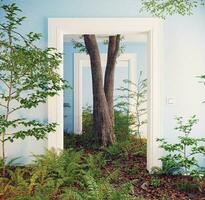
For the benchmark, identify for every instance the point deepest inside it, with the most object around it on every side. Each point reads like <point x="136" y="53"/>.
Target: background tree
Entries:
<point x="133" y="95"/>
<point x="103" y="111"/>
<point x="164" y="8"/>
<point x="27" y="77"/>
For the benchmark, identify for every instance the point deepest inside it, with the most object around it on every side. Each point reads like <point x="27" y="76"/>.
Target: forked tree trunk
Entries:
<point x="102" y="122"/>
<point x="113" y="51"/>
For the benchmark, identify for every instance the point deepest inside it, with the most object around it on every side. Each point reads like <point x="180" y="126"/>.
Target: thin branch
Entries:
<point x="14" y="109"/>
<point x="3" y="105"/>
<point x="4" y="82"/>
<point x="22" y="37"/>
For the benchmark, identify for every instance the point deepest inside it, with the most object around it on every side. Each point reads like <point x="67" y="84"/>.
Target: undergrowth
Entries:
<point x="71" y="174"/>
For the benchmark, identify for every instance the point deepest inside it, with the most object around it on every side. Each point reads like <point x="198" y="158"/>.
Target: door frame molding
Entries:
<point x="82" y="60"/>
<point x="58" y="27"/>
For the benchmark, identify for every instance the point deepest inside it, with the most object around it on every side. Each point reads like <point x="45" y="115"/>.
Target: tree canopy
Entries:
<point x="163" y="8"/>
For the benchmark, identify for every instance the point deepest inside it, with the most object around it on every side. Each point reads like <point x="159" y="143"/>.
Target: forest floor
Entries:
<point x="131" y="162"/>
<point x="87" y="172"/>
<point x="155" y="187"/>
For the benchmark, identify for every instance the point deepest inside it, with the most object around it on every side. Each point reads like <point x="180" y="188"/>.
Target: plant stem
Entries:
<point x="7" y="111"/>
<point x="4" y="132"/>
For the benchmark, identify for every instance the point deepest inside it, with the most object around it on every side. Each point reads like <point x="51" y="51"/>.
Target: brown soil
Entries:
<point x="133" y="168"/>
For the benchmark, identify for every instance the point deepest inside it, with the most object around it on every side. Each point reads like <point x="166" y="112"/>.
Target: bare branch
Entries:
<point x="3" y="105"/>
<point x="14" y="109"/>
<point x="7" y="85"/>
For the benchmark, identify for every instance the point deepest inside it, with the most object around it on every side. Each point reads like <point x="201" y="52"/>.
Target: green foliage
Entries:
<point x="72" y="193"/>
<point x="121" y="47"/>
<point x="94" y="164"/>
<point x="87" y="120"/>
<point x="156" y="171"/>
<point x="163" y="8"/>
<point x="133" y="146"/>
<point x="132" y="171"/>
<point x="27" y="77"/>
<point x="65" y="167"/>
<point x="67" y="175"/>
<point x="85" y="140"/>
<point x="102" y="189"/>
<point x="80" y="46"/>
<point x="181" y="156"/>
<point x="202" y="78"/>
<point x="187" y="186"/>
<point x="126" y="123"/>
<point x="165" y="197"/>
<point x="123" y="122"/>
<point x="155" y="182"/>
<point x="114" y="151"/>
<point x="43" y="179"/>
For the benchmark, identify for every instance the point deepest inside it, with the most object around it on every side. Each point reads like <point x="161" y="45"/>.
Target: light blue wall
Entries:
<point x="38" y="11"/>
<point x="184" y="53"/>
<point x="139" y="49"/>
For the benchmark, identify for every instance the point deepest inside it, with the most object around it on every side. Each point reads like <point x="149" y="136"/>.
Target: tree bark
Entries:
<point x="113" y="51"/>
<point x="102" y="122"/>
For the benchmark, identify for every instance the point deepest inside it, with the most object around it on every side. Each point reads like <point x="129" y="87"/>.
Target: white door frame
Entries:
<point x="82" y="60"/>
<point x="58" y="27"/>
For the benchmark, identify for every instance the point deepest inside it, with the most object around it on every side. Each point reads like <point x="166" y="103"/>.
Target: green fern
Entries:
<point x="71" y="174"/>
<point x="94" y="163"/>
<point x="59" y="170"/>
<point x="71" y="194"/>
<point x="102" y="189"/>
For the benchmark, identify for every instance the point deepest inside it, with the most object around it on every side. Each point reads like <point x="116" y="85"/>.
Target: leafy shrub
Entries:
<point x="59" y="170"/>
<point x="123" y="122"/>
<point x="87" y="120"/>
<point x="114" y="151"/>
<point x="85" y="140"/>
<point x="28" y="77"/>
<point x="126" y="122"/>
<point x="187" y="186"/>
<point x="133" y="145"/>
<point x="94" y="164"/>
<point x="155" y="182"/>
<point x="132" y="171"/>
<point x="45" y="177"/>
<point x="180" y="156"/>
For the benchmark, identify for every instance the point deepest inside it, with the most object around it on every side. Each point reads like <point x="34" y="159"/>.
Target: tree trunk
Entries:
<point x="102" y="123"/>
<point x="113" y="51"/>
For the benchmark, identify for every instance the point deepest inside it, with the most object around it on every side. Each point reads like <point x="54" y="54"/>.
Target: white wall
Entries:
<point x="184" y="61"/>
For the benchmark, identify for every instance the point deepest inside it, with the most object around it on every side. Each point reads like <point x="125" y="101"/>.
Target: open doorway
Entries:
<point x="130" y="75"/>
<point x="59" y="29"/>
<point x="129" y="98"/>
